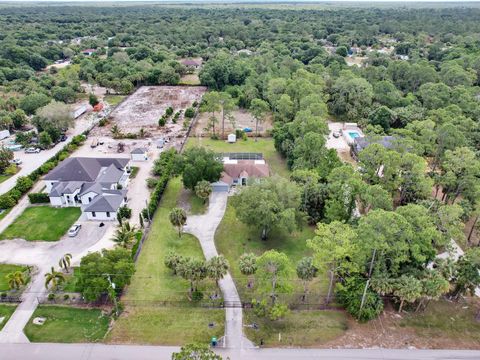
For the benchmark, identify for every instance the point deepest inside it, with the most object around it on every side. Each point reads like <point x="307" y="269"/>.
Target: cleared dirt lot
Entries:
<point x="145" y="106"/>
<point x="242" y="120"/>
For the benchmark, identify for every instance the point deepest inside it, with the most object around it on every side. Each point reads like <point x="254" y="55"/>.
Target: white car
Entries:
<point x="16" y="161"/>
<point x="74" y="230"/>
<point x="32" y="150"/>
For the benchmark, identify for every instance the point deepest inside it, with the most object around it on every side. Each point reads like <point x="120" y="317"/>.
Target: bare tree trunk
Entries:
<point x="401" y="306"/>
<point x="471" y="230"/>
<point x="330" y="287"/>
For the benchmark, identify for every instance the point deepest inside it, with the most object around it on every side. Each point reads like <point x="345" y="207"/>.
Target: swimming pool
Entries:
<point x="353" y="134"/>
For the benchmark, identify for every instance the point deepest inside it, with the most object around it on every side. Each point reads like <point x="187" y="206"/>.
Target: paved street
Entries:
<point x="203" y="227"/>
<point x="129" y="352"/>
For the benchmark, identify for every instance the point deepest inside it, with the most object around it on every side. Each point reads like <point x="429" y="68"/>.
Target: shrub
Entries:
<point x="151" y="183"/>
<point x="51" y="297"/>
<point x="162" y="121"/>
<point x="125" y="212"/>
<point x="169" y="111"/>
<point x="195" y="104"/>
<point x="190" y="113"/>
<point x="11" y="169"/>
<point x="45" y="168"/>
<point x="63" y="155"/>
<point x="23" y="184"/>
<point x="38" y="198"/>
<point x="66" y="297"/>
<point x="72" y="147"/>
<point x="197" y="295"/>
<point x="134" y="172"/>
<point x="103" y="122"/>
<point x="7" y="201"/>
<point x="15" y="194"/>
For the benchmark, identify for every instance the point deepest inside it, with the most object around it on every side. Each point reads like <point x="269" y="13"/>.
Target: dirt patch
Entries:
<point x="242" y="119"/>
<point x="145" y="106"/>
<point x="190" y="79"/>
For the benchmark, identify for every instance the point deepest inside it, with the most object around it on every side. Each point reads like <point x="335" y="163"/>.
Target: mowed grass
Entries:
<point x="298" y="328"/>
<point x="113" y="100"/>
<point x="158" y="310"/>
<point x="67" y="325"/>
<point x="446" y="319"/>
<point x="197" y="205"/>
<point x="234" y="238"/>
<point x="6" y="269"/>
<point x="42" y="223"/>
<point x="263" y="145"/>
<point x="6" y="311"/>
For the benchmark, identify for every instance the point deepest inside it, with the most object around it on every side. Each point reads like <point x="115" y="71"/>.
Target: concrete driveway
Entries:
<point x="339" y="144"/>
<point x="204" y="227"/>
<point x="43" y="255"/>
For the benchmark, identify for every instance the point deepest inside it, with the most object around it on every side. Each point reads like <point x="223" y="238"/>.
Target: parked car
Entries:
<point x="74" y="230"/>
<point x="63" y="137"/>
<point x="32" y="150"/>
<point x="336" y="134"/>
<point x="16" y="161"/>
<point x="247" y="130"/>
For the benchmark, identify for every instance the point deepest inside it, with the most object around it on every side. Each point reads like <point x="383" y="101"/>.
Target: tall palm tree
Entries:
<point x="178" y="218"/>
<point x="64" y="262"/>
<point x="54" y="278"/>
<point x="125" y="234"/>
<point x="217" y="268"/>
<point x="248" y="266"/>
<point x="15" y="279"/>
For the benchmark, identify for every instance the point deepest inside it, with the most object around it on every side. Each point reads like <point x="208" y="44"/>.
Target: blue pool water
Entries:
<point x="353" y="134"/>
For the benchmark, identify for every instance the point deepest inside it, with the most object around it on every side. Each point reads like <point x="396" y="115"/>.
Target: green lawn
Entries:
<point x="197" y="205"/>
<point x="144" y="321"/>
<point x="4" y="177"/>
<point x="263" y="145"/>
<point x="6" y="269"/>
<point x="4" y="213"/>
<point x="42" y="223"/>
<point x="71" y="279"/>
<point x="134" y="172"/>
<point x="298" y="328"/>
<point x="6" y="311"/>
<point x="446" y="319"/>
<point x="67" y="325"/>
<point x="113" y="100"/>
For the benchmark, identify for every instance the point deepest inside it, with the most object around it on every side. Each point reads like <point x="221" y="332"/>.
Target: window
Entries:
<point x="89" y="199"/>
<point x="108" y="214"/>
<point x="93" y="214"/>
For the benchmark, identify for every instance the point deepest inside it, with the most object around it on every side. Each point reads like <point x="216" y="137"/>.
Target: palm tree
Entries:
<point x="248" y="266"/>
<point x="15" y="279"/>
<point x="217" y="268"/>
<point x="178" y="218"/>
<point x="64" y="262"/>
<point x="125" y="234"/>
<point x="54" y="278"/>
<point x="203" y="189"/>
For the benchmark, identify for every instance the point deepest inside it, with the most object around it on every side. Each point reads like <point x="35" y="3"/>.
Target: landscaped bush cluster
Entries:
<point x="25" y="183"/>
<point x="38" y="198"/>
<point x="164" y="167"/>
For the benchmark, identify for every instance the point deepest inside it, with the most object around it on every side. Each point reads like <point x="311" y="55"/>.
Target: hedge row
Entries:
<point x="25" y="183"/>
<point x="166" y="163"/>
<point x="38" y="198"/>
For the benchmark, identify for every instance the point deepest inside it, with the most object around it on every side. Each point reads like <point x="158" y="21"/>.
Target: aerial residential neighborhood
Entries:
<point x="239" y="180"/>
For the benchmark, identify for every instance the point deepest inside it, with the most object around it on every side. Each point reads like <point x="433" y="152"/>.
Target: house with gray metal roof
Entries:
<point x="97" y="185"/>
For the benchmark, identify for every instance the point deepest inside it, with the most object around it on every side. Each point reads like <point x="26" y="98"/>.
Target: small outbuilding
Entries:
<point x="232" y="138"/>
<point x="139" y="154"/>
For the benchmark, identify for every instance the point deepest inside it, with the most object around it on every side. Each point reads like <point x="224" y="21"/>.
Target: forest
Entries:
<point x="418" y="84"/>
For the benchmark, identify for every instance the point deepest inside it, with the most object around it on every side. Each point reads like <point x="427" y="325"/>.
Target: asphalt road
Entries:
<point x="120" y="352"/>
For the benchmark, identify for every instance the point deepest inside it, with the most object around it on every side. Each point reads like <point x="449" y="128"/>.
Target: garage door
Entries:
<point x="220" y="187"/>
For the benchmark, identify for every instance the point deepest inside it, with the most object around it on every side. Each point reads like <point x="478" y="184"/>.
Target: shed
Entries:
<point x="4" y="134"/>
<point x="139" y="154"/>
<point x="232" y="138"/>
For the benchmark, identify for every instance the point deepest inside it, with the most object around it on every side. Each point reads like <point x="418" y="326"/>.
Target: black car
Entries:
<point x="63" y="137"/>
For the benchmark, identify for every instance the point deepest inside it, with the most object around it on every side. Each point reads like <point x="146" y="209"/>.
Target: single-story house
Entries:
<point x="191" y="63"/>
<point x="97" y="185"/>
<point x="360" y="143"/>
<point x="139" y="154"/>
<point x="88" y="52"/>
<point x="238" y="168"/>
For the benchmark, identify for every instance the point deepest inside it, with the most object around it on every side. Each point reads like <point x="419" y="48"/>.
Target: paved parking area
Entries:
<point x="336" y="143"/>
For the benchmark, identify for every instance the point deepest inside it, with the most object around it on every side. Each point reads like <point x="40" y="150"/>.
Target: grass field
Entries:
<point x="71" y="279"/>
<point x="42" y="223"/>
<point x="263" y="145"/>
<point x="446" y="319"/>
<point x="113" y="100"/>
<point x="153" y="284"/>
<point x="197" y="205"/>
<point x="67" y="325"/>
<point x="6" y="269"/>
<point x="298" y="328"/>
<point x="6" y="311"/>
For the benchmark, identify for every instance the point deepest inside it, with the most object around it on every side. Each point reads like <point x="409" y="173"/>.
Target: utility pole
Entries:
<point x="368" y="281"/>
<point x="112" y="294"/>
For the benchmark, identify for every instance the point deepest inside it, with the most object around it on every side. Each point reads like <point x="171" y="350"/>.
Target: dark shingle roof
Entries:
<point x="139" y="151"/>
<point x="83" y="169"/>
<point x="105" y="203"/>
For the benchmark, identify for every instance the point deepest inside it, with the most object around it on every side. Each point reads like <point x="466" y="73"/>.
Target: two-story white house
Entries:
<point x="95" y="184"/>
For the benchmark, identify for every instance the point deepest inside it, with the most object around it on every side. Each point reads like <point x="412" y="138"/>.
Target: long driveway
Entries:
<point x="204" y="227"/>
<point x="43" y="255"/>
<point x="128" y="352"/>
